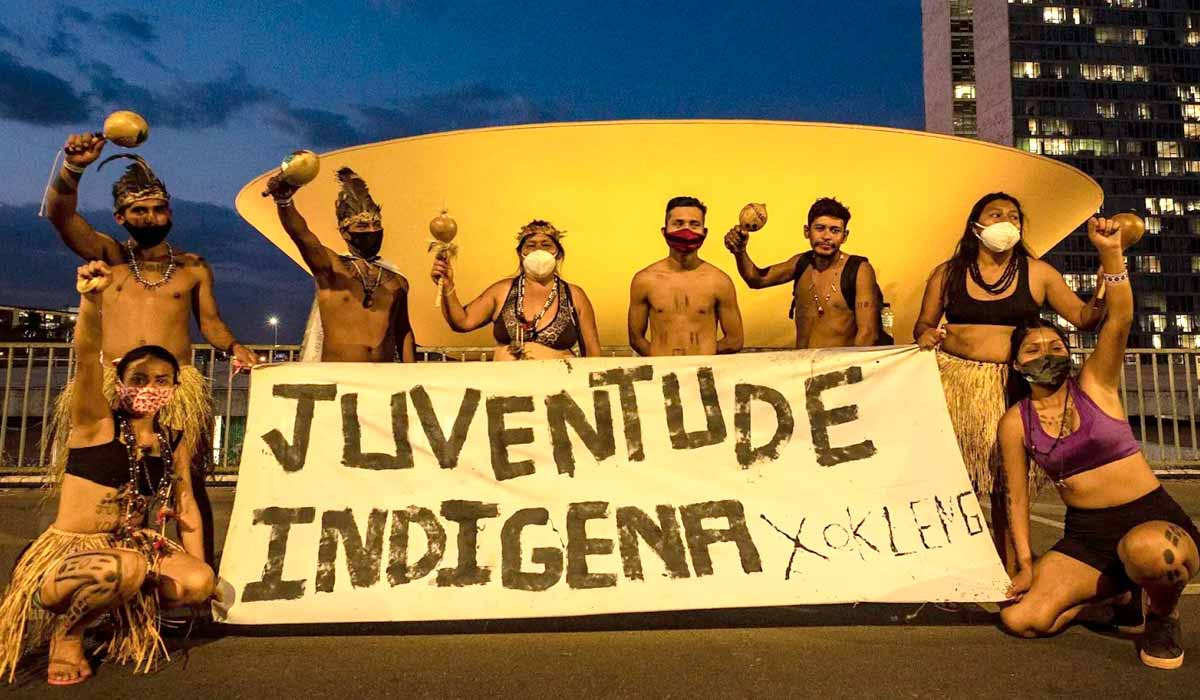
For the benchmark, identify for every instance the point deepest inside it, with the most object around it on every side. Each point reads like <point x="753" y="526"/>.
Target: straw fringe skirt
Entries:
<point x="975" y="397"/>
<point x="190" y="412"/>
<point x="25" y="626"/>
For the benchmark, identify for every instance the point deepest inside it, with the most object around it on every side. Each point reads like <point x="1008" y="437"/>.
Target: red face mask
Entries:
<point x="684" y="240"/>
<point x="144" y="400"/>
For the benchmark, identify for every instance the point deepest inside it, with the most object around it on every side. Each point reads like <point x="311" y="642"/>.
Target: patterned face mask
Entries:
<point x="1047" y="370"/>
<point x="144" y="400"/>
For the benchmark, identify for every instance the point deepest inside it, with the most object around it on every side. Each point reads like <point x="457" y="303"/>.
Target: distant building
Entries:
<point x="20" y="324"/>
<point x="1111" y="87"/>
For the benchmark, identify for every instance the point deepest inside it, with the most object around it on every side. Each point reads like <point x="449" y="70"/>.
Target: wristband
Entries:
<point x="287" y="202"/>
<point x="1123" y="276"/>
<point x="73" y="168"/>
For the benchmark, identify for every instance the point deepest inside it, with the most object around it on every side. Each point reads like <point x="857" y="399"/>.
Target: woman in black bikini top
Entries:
<point x="536" y="315"/>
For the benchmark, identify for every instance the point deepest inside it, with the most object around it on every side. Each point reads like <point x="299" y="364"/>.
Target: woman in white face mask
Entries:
<point x="535" y="315"/>
<point x="990" y="286"/>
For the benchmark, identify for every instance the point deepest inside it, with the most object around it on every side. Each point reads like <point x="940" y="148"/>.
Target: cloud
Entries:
<point x="129" y="26"/>
<point x="35" y="96"/>
<point x="314" y="127"/>
<point x="183" y="105"/>
<point x="473" y="106"/>
<point x="469" y="107"/>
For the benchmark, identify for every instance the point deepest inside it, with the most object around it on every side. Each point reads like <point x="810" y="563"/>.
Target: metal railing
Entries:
<point x="1159" y="390"/>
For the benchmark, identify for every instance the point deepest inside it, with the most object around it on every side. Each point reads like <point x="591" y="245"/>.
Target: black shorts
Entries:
<point x="1092" y="534"/>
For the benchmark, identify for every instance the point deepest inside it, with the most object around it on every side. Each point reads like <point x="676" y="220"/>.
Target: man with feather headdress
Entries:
<point x="362" y="301"/>
<point x="156" y="290"/>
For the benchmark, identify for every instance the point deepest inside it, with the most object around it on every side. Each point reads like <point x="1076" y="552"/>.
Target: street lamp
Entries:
<point x="273" y="322"/>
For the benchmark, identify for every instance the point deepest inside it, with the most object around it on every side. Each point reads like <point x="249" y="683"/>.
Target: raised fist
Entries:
<point x="278" y="189"/>
<point x="736" y="240"/>
<point x="1102" y="233"/>
<point x="82" y="150"/>
<point x="92" y="277"/>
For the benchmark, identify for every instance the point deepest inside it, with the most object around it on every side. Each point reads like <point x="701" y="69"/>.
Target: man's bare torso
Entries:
<point x="135" y="315"/>
<point x="683" y="308"/>
<point x="834" y="328"/>
<point x="354" y="333"/>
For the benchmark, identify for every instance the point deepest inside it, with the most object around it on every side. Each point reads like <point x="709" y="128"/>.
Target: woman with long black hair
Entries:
<point x="991" y="285"/>
<point x="1124" y="533"/>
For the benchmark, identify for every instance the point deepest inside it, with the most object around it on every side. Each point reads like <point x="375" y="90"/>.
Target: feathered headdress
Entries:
<point x="138" y="182"/>
<point x="354" y="203"/>
<point x="540" y="226"/>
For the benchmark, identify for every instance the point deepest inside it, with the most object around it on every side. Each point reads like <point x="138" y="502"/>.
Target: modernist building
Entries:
<point x="25" y="325"/>
<point x="1111" y="87"/>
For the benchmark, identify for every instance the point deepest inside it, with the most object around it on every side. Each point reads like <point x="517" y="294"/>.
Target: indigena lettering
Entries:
<point x="573" y="424"/>
<point x="681" y="538"/>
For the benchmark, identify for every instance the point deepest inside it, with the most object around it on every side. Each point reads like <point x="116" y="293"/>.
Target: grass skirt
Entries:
<point x="975" y="397"/>
<point x="25" y="626"/>
<point x="190" y="411"/>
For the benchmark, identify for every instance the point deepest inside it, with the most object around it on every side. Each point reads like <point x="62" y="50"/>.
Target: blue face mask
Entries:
<point x="1047" y="370"/>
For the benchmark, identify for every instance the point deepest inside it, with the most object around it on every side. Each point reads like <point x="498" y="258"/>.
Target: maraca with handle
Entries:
<point x="752" y="218"/>
<point x="443" y="228"/>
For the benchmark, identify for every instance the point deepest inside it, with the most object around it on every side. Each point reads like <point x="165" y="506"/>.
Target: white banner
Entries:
<point x="531" y="489"/>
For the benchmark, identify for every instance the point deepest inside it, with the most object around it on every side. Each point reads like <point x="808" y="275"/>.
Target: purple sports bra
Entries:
<point x="1100" y="439"/>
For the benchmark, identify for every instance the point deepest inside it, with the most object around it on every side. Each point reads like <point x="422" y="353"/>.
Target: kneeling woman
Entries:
<point x="127" y="476"/>
<point x="536" y="315"/>
<point x="1124" y="533"/>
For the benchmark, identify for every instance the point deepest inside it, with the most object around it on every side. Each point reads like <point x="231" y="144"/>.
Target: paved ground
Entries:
<point x="827" y="651"/>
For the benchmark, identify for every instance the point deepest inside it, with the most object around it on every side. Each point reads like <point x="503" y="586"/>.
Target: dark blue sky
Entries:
<point x="230" y="87"/>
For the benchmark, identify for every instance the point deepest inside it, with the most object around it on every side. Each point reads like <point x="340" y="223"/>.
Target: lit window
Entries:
<point x="1031" y="145"/>
<point x="1153" y="224"/>
<point x="1188" y="93"/>
<point x="1195" y="268"/>
<point x="1113" y="72"/>
<point x="1054" y="15"/>
<point x="1191" y="113"/>
<point x="1120" y="35"/>
<point x="1156" y="341"/>
<point x="1155" y="323"/>
<point x="1056" y="147"/>
<point x="1168" y="167"/>
<point x="1133" y="148"/>
<point x="1163" y="205"/>
<point x="1148" y="263"/>
<point x="1026" y="69"/>
<point x="1108" y="110"/>
<point x="1194" y="226"/>
<point x="1183" y="321"/>
<point x="1191" y="131"/>
<point x="1082" y="16"/>
<point x="1128" y="4"/>
<point x="1193" y="39"/>
<point x="1192" y="167"/>
<point x="1168" y="149"/>
<point x="1191" y="342"/>
<point x="964" y="91"/>
<point x="1143" y="110"/>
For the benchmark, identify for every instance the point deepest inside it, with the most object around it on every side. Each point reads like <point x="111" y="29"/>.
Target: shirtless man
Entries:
<point x="155" y="292"/>
<point x="363" y="303"/>
<point x="824" y="319"/>
<point x="681" y="298"/>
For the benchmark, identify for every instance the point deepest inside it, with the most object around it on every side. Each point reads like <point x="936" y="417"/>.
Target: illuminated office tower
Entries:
<point x="1111" y="87"/>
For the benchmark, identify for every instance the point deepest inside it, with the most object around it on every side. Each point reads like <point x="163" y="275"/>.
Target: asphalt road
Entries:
<point x="804" y="651"/>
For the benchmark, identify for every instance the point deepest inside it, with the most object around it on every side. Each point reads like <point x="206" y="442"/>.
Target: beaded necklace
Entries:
<point x="137" y="270"/>
<point x="368" y="289"/>
<point x="530" y="327"/>
<point x="833" y="287"/>
<point x="133" y="503"/>
<point x="1001" y="284"/>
